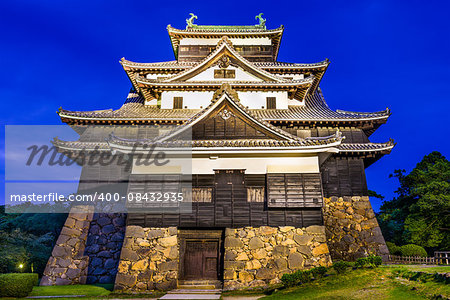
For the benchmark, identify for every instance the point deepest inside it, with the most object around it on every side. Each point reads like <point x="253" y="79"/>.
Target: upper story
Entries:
<point x="208" y="56"/>
<point x="254" y="42"/>
<point x="244" y="59"/>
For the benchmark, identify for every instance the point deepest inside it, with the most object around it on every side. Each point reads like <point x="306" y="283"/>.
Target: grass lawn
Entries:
<point x="100" y="291"/>
<point x="363" y="284"/>
<point x="87" y="290"/>
<point x="427" y="268"/>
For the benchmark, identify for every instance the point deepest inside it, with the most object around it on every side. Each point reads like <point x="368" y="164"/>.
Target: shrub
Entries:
<point x="296" y="278"/>
<point x="341" y="266"/>
<point x="371" y="261"/>
<point x="288" y="280"/>
<point x="318" y="272"/>
<point x="361" y="262"/>
<point x="375" y="260"/>
<point x="413" y="250"/>
<point x="393" y="248"/>
<point x="300" y="277"/>
<point x="17" y="284"/>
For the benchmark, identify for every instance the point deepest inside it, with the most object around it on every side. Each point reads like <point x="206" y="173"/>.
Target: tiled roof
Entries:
<point x="241" y="143"/>
<point x="366" y="147"/>
<point x="156" y="82"/>
<point x="222" y="29"/>
<point x="315" y="109"/>
<point x="173" y="64"/>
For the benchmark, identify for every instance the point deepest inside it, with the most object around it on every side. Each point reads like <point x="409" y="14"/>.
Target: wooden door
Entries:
<point x="201" y="260"/>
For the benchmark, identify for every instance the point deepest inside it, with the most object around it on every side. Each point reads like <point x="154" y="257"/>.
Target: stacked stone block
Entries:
<point x="149" y="260"/>
<point x="258" y="257"/>
<point x="352" y="229"/>
<point x="68" y="264"/>
<point x="104" y="243"/>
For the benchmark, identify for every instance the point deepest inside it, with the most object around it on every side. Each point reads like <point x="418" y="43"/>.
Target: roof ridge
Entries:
<point x="225" y="29"/>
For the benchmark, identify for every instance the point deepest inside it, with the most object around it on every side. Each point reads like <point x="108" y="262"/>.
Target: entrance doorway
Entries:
<point x="201" y="260"/>
<point x="201" y="254"/>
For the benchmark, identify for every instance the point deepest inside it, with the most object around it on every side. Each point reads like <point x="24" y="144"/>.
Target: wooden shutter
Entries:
<point x="294" y="190"/>
<point x="271" y="103"/>
<point x="177" y="102"/>
<point x="276" y="190"/>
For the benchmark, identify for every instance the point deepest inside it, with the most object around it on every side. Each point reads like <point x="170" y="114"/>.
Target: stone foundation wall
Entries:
<point x="103" y="246"/>
<point x="256" y="257"/>
<point x="148" y="260"/>
<point x="68" y="264"/>
<point x="352" y="229"/>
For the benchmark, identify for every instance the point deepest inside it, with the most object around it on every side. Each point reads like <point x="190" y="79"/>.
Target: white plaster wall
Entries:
<point x="295" y="76"/>
<point x="250" y="99"/>
<point x="208" y="75"/>
<point x="155" y="76"/>
<point x="234" y="41"/>
<point x="257" y="100"/>
<point x="252" y="165"/>
<point x="193" y="100"/>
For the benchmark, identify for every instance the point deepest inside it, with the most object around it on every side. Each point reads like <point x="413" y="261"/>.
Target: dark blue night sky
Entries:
<point x="383" y="54"/>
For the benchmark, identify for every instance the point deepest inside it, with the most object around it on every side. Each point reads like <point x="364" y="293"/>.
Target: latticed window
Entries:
<point x="221" y="73"/>
<point x="271" y="103"/>
<point x="177" y="102"/>
<point x="198" y="194"/>
<point x="255" y="194"/>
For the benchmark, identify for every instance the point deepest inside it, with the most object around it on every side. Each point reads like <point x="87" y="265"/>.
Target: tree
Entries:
<point x="420" y="214"/>
<point x="28" y="238"/>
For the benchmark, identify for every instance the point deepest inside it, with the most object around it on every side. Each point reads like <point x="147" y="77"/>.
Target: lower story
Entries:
<point x="163" y="258"/>
<point x="138" y="256"/>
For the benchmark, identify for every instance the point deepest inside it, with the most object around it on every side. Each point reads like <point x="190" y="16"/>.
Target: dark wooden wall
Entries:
<point x="220" y="128"/>
<point x="352" y="135"/>
<point x="230" y="208"/>
<point x="344" y="176"/>
<point x="341" y="175"/>
<point x="251" y="53"/>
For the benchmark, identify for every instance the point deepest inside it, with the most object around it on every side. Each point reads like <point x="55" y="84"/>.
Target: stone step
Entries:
<point x="199" y="284"/>
<point x="195" y="291"/>
<point x="197" y="287"/>
<point x="190" y="296"/>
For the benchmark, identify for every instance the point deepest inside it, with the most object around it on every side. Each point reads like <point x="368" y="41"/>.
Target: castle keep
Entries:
<point x="278" y="180"/>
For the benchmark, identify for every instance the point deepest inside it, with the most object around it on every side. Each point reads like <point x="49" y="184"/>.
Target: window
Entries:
<point x="222" y="73"/>
<point x="294" y="190"/>
<point x="271" y="103"/>
<point x="255" y="194"/>
<point x="198" y="194"/>
<point x="177" y="102"/>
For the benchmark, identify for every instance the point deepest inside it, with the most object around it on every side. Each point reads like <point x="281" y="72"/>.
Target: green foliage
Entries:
<point x="17" y="284"/>
<point x="301" y="277"/>
<point x="420" y="212"/>
<point x="28" y="239"/>
<point x="341" y="266"/>
<point x="318" y="272"/>
<point x="371" y="261"/>
<point x="374" y="194"/>
<point x="413" y="250"/>
<point x="393" y="248"/>
<point x="422" y="276"/>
